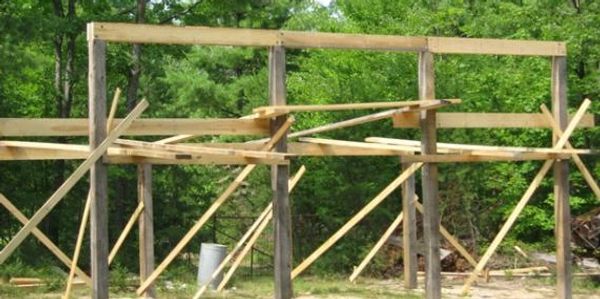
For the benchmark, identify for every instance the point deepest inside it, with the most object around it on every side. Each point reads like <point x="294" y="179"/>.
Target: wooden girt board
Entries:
<point x="271" y="111"/>
<point x="197" y="35"/>
<point x="484" y="120"/>
<point x="467" y="148"/>
<point x="140" y="127"/>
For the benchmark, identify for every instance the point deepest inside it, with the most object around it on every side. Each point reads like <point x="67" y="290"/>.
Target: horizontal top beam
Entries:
<point x="197" y="35"/>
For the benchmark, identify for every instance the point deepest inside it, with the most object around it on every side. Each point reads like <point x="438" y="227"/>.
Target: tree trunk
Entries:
<point x="135" y="71"/>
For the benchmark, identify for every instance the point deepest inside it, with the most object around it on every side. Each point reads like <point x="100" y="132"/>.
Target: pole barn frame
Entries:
<point x="275" y="120"/>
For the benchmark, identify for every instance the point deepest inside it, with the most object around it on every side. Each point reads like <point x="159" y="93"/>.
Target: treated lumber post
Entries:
<point x="409" y="231"/>
<point x="280" y="174"/>
<point x="562" y="212"/>
<point x="429" y="181"/>
<point x="146" y="226"/>
<point x="98" y="172"/>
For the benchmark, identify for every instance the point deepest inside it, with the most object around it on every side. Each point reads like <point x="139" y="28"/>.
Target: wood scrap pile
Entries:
<point x="586" y="230"/>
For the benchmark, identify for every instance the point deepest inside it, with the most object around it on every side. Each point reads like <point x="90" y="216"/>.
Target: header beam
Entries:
<point x="198" y="35"/>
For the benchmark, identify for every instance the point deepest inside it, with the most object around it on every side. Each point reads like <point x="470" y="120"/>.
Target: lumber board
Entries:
<point x="587" y="175"/>
<point x="522" y="202"/>
<point x="125" y="232"/>
<point x="210" y="211"/>
<point x="282" y="219"/>
<point x="386" y="235"/>
<point x="434" y="104"/>
<point x="25" y="127"/>
<point x="270" y="111"/>
<point x="199" y="160"/>
<point x="44" y="239"/>
<point x="429" y="179"/>
<point x="80" y="235"/>
<point x="447" y="120"/>
<point x="454" y="45"/>
<point x="398" y="150"/>
<point x="562" y="210"/>
<point x="467" y="158"/>
<point x="81" y="170"/>
<point x="355" y="219"/>
<point x="146" y="226"/>
<point x="196" y="35"/>
<point x="409" y="231"/>
<point x="475" y="148"/>
<point x="199" y="150"/>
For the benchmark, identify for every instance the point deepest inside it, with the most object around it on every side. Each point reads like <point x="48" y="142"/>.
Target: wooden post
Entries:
<point x="562" y="211"/>
<point x="282" y="221"/>
<point x="429" y="181"/>
<point x="146" y="226"/>
<point x="409" y="231"/>
<point x="98" y="173"/>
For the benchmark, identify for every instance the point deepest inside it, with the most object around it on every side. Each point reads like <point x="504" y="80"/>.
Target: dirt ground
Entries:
<point x="338" y="288"/>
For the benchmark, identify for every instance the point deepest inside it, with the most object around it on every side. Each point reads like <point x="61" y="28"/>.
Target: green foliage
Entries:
<point x="190" y="81"/>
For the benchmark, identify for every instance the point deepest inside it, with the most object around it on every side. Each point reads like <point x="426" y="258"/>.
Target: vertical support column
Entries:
<point x="409" y="231"/>
<point x="562" y="210"/>
<point x="146" y="227"/>
<point x="429" y="181"/>
<point x="282" y="221"/>
<point x="98" y="173"/>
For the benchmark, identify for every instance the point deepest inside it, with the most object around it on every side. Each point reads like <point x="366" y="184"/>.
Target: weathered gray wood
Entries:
<point x="279" y="181"/>
<point x="98" y="173"/>
<point x="429" y="181"/>
<point x="146" y="227"/>
<point x="561" y="183"/>
<point x="409" y="231"/>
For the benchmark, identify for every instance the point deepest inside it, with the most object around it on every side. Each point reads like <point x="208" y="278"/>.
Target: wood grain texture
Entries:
<point x="484" y="120"/>
<point x="146" y="226"/>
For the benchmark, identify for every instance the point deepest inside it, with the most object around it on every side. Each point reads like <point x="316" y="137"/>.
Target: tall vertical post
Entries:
<point x="562" y="210"/>
<point x="409" y="231"/>
<point x="429" y="180"/>
<point x="146" y="226"/>
<point x="98" y="174"/>
<point x="282" y="221"/>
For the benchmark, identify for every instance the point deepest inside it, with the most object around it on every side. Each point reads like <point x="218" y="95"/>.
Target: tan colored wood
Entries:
<point x="479" y="149"/>
<point x="572" y="124"/>
<point x="113" y="109"/>
<point x="372" y="117"/>
<point x="199" y="150"/>
<point x="355" y="219"/>
<point x="587" y="175"/>
<point x="454" y="45"/>
<point x="271" y="111"/>
<point x="199" y="160"/>
<point x="141" y="127"/>
<point x="254" y="237"/>
<point x="94" y="156"/>
<point x="398" y="150"/>
<point x="465" y="158"/>
<point x="453" y="241"/>
<point x="211" y="210"/>
<point x="162" y="34"/>
<point x="80" y="235"/>
<point x="44" y="239"/>
<point x="146" y="226"/>
<point x="132" y="220"/>
<point x="386" y="235"/>
<point x="484" y="120"/>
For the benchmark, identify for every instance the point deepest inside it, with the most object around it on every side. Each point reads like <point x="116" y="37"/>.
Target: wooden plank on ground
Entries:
<point x="44" y="239"/>
<point x="355" y="219"/>
<point x="484" y="120"/>
<point x="24" y="127"/>
<point x="94" y="156"/>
